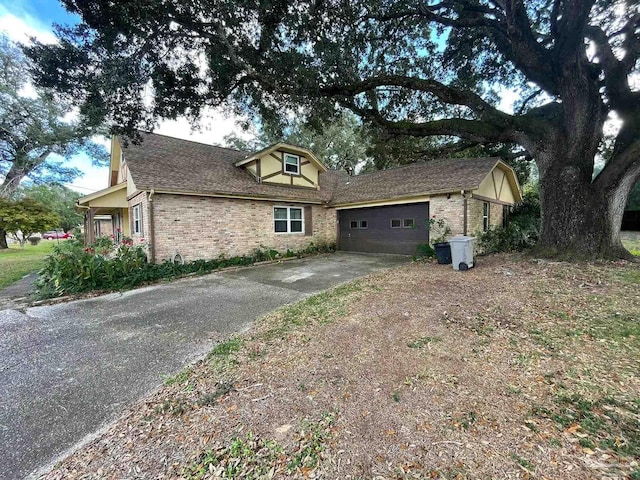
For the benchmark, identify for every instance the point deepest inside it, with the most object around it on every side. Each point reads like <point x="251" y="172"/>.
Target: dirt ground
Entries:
<point x="517" y="368"/>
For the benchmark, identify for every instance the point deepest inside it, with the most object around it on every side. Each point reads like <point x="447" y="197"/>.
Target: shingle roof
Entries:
<point x="169" y="164"/>
<point x="434" y="176"/>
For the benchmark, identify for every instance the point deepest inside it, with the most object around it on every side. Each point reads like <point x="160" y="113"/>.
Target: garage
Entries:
<point x="388" y="229"/>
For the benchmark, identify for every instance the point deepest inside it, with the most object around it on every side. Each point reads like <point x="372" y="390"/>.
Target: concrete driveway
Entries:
<point x="68" y="369"/>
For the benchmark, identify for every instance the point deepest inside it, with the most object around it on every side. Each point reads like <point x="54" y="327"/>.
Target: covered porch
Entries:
<point x="106" y="213"/>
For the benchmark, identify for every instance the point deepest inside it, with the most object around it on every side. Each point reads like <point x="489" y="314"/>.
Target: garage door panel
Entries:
<point x="379" y="236"/>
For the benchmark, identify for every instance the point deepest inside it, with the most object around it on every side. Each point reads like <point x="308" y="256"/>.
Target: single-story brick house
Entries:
<point x="201" y="201"/>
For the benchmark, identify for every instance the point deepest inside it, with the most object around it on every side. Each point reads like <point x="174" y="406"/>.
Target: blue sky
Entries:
<point x="20" y="19"/>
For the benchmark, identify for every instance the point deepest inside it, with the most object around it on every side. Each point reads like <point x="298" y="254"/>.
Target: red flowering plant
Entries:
<point x="439" y="230"/>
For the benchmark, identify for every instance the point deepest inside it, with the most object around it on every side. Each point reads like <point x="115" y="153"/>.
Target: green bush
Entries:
<point x="34" y="240"/>
<point x="521" y="232"/>
<point x="424" y="250"/>
<point x="73" y="268"/>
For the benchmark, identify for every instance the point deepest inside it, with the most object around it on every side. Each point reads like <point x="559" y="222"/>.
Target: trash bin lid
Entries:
<point x="461" y="238"/>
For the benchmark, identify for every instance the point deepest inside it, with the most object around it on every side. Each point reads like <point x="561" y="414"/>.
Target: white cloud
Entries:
<point x="213" y="127"/>
<point x="92" y="179"/>
<point x="19" y="26"/>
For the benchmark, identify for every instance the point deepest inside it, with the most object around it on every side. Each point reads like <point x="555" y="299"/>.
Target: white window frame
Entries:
<point x="296" y="158"/>
<point x="288" y="220"/>
<point x="486" y="216"/>
<point x="404" y="223"/>
<point x="399" y="220"/>
<point x="137" y="220"/>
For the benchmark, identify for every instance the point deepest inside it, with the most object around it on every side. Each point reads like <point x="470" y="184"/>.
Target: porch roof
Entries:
<point x="112" y="197"/>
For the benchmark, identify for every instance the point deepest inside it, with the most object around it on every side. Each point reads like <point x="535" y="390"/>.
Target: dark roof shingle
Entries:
<point x="435" y="176"/>
<point x="171" y="164"/>
<point x="182" y="166"/>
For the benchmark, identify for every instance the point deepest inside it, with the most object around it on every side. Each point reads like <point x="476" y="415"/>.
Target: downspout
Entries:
<point x="464" y="212"/>
<point x="152" y="250"/>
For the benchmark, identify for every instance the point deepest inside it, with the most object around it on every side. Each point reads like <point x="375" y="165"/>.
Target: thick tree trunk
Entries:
<point x="580" y="221"/>
<point x="3" y="239"/>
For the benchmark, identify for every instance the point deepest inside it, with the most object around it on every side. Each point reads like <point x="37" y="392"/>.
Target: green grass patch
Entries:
<point x="16" y="262"/>
<point x="609" y="423"/>
<point x="321" y="308"/>
<point x="630" y="276"/>
<point x="523" y="462"/>
<point x="253" y="457"/>
<point x="631" y="241"/>
<point x="223" y="359"/>
<point x="224" y="349"/>
<point x="179" y="379"/>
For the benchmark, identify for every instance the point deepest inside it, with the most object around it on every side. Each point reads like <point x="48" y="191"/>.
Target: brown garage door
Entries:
<point x="392" y="229"/>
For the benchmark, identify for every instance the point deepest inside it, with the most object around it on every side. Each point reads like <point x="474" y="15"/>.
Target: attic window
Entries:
<point x="291" y="164"/>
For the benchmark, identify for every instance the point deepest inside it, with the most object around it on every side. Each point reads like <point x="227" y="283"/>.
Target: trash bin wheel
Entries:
<point x="463" y="267"/>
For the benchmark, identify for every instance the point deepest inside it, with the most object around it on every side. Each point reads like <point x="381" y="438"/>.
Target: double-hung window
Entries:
<point x="288" y="219"/>
<point x="291" y="164"/>
<point x="137" y="219"/>
<point x="486" y="211"/>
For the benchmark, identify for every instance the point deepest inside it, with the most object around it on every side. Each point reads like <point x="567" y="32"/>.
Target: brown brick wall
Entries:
<point x="496" y="214"/>
<point x="205" y="227"/>
<point x="475" y="215"/>
<point x="140" y="198"/>
<point x="451" y="209"/>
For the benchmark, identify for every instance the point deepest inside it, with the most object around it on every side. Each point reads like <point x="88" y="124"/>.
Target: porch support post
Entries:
<point x="89" y="227"/>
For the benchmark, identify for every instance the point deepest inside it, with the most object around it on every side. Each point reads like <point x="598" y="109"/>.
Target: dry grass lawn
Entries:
<point x="515" y="369"/>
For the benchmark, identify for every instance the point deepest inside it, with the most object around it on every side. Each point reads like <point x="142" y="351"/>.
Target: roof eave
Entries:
<point x="101" y="193"/>
<point x="456" y="190"/>
<point x="239" y="196"/>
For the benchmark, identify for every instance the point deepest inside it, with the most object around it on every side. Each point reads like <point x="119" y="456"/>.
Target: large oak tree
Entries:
<point x="416" y="68"/>
<point x="36" y="137"/>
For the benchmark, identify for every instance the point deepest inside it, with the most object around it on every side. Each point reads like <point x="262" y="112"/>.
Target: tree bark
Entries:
<point x="3" y="239"/>
<point x="579" y="220"/>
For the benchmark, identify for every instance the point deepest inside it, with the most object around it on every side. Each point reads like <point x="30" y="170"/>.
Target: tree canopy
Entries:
<point x="22" y="218"/>
<point x="34" y="126"/>
<point x="414" y="69"/>
<point x="59" y="199"/>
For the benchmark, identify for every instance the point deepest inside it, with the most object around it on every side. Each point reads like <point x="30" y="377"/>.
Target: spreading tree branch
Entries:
<point x="445" y="93"/>
<point x="471" y="130"/>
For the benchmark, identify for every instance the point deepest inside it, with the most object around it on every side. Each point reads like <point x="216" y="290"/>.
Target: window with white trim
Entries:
<point x="137" y="219"/>
<point x="288" y="220"/>
<point x="396" y="223"/>
<point x="291" y="164"/>
<point x="486" y="211"/>
<point x="408" y="223"/>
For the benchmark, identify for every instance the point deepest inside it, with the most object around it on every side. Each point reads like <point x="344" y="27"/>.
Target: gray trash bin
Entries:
<point x="462" y="252"/>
